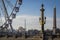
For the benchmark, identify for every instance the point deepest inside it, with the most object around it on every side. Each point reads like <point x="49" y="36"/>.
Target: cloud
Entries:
<point x="49" y="23"/>
<point x="32" y="22"/>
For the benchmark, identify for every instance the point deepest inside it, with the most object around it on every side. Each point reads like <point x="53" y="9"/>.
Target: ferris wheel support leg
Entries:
<point x="11" y="27"/>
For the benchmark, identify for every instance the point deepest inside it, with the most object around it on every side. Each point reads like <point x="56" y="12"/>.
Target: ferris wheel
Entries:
<point x="8" y="11"/>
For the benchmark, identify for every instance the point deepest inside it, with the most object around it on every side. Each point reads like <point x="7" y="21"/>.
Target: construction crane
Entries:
<point x="8" y="19"/>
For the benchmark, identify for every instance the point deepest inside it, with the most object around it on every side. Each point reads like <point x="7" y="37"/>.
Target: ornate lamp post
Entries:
<point x="42" y="21"/>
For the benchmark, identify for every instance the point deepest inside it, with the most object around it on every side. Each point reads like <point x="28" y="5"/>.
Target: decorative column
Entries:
<point x="42" y="20"/>
<point x="54" y="21"/>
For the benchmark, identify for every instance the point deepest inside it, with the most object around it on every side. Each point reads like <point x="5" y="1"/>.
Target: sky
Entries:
<point x="30" y="11"/>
